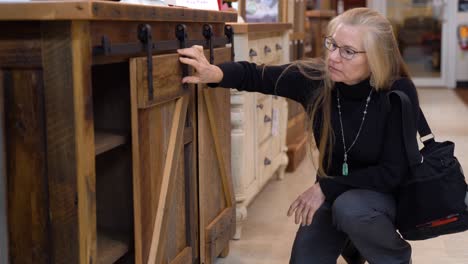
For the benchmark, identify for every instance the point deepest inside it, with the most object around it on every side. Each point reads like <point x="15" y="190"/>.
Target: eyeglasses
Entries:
<point x="345" y="51"/>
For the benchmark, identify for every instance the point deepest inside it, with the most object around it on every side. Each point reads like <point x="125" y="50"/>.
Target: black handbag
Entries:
<point x="431" y="199"/>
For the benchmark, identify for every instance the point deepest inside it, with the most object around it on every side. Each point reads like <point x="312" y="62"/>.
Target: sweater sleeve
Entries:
<point x="393" y="165"/>
<point x="284" y="80"/>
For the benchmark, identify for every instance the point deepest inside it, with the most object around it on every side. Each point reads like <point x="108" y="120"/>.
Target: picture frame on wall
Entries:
<point x="261" y="10"/>
<point x="462" y="5"/>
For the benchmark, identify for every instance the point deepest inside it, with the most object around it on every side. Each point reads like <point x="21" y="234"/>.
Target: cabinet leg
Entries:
<point x="283" y="165"/>
<point x="280" y="174"/>
<point x="225" y="252"/>
<point x="241" y="215"/>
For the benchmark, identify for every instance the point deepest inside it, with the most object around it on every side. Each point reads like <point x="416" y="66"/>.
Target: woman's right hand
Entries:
<point x="204" y="72"/>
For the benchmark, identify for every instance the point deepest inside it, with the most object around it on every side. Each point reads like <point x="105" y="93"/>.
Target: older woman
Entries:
<point x="362" y="157"/>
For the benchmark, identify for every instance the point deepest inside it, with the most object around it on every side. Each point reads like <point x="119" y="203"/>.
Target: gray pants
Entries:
<point x="366" y="217"/>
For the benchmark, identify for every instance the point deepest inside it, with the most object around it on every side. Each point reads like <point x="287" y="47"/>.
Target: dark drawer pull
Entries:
<point x="252" y="53"/>
<point x="267" y="49"/>
<point x="260" y="106"/>
<point x="266" y="119"/>
<point x="278" y="47"/>
<point x="267" y="161"/>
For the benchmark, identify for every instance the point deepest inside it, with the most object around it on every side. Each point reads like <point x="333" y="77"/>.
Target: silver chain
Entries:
<point x="360" y="127"/>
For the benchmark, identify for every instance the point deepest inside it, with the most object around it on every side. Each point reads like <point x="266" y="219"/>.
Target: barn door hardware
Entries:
<point x="181" y="35"/>
<point x="145" y="37"/>
<point x="208" y="34"/>
<point x="211" y="41"/>
<point x="107" y="48"/>
<point x="229" y="32"/>
<point x="148" y="46"/>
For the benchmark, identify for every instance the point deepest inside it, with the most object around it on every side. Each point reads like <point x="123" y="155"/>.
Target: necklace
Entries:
<point x="345" y="159"/>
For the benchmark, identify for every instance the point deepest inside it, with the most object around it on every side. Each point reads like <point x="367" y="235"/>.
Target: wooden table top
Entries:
<point x="259" y="27"/>
<point x="106" y="10"/>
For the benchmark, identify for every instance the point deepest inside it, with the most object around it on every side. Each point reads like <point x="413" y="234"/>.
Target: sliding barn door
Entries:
<point x="164" y="161"/>
<point x="217" y="207"/>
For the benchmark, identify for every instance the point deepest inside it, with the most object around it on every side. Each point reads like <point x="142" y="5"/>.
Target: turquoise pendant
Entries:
<point x="345" y="169"/>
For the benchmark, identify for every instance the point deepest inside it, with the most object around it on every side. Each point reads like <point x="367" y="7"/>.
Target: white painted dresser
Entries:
<point x="259" y="122"/>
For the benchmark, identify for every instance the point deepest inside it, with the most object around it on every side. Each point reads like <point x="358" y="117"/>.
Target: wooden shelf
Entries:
<point x="111" y="247"/>
<point x="106" y="141"/>
<point x="320" y="13"/>
<point x="259" y="27"/>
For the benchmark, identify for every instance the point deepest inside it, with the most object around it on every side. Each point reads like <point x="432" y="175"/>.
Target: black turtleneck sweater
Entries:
<point x="377" y="161"/>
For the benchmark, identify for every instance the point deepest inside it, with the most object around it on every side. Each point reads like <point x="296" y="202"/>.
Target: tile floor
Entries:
<point x="268" y="233"/>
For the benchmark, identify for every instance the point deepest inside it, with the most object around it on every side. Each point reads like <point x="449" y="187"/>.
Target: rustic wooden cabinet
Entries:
<point x="110" y="159"/>
<point x="258" y="121"/>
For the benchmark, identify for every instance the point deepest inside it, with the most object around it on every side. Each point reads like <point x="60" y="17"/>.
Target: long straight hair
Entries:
<point x="385" y="62"/>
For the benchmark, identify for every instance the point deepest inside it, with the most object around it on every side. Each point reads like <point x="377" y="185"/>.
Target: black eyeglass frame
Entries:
<point x="341" y="48"/>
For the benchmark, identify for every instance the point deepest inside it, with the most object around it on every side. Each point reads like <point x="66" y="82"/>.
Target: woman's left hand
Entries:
<point x="307" y="204"/>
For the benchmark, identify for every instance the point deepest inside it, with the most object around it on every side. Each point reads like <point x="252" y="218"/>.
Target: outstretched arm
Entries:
<point x="284" y="80"/>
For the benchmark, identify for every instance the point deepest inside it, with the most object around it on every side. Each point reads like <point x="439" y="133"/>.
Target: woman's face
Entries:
<point x="348" y="71"/>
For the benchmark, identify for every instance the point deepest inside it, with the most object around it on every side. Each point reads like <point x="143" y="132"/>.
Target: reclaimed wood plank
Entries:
<point x="106" y="141"/>
<point x="20" y="44"/>
<point x="111" y="247"/>
<point x="70" y="140"/>
<point x="167" y="186"/>
<point x="215" y="182"/>
<point x="3" y="179"/>
<point x="102" y="10"/>
<point x="27" y="175"/>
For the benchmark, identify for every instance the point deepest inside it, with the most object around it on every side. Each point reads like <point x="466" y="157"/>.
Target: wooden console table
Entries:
<point x="109" y="158"/>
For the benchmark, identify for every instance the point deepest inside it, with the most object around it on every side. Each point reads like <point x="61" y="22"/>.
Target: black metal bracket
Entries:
<point x="229" y="32"/>
<point x="107" y="48"/>
<point x="146" y="38"/>
<point x="181" y="35"/>
<point x="208" y="34"/>
<point x="147" y="46"/>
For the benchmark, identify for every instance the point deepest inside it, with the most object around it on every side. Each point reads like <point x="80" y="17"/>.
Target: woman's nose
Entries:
<point x="335" y="55"/>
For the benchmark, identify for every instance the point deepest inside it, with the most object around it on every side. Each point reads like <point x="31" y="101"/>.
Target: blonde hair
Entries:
<point x="385" y="63"/>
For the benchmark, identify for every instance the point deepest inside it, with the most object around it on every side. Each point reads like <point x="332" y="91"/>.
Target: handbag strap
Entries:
<point x="423" y="126"/>
<point x="409" y="128"/>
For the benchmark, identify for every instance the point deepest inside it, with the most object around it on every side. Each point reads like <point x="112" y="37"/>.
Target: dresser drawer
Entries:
<point x="261" y="97"/>
<point x="277" y="50"/>
<point x="253" y="52"/>
<point x="267" y="48"/>
<point x="264" y="119"/>
<point x="264" y="162"/>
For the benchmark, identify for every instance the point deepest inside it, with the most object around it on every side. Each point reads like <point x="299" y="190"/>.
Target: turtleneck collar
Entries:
<point x="356" y="91"/>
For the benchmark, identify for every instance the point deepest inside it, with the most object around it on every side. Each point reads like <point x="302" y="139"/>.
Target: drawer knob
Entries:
<point x="267" y="161"/>
<point x="267" y="49"/>
<point x="278" y="47"/>
<point x="260" y="106"/>
<point x="252" y="53"/>
<point x="266" y="119"/>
